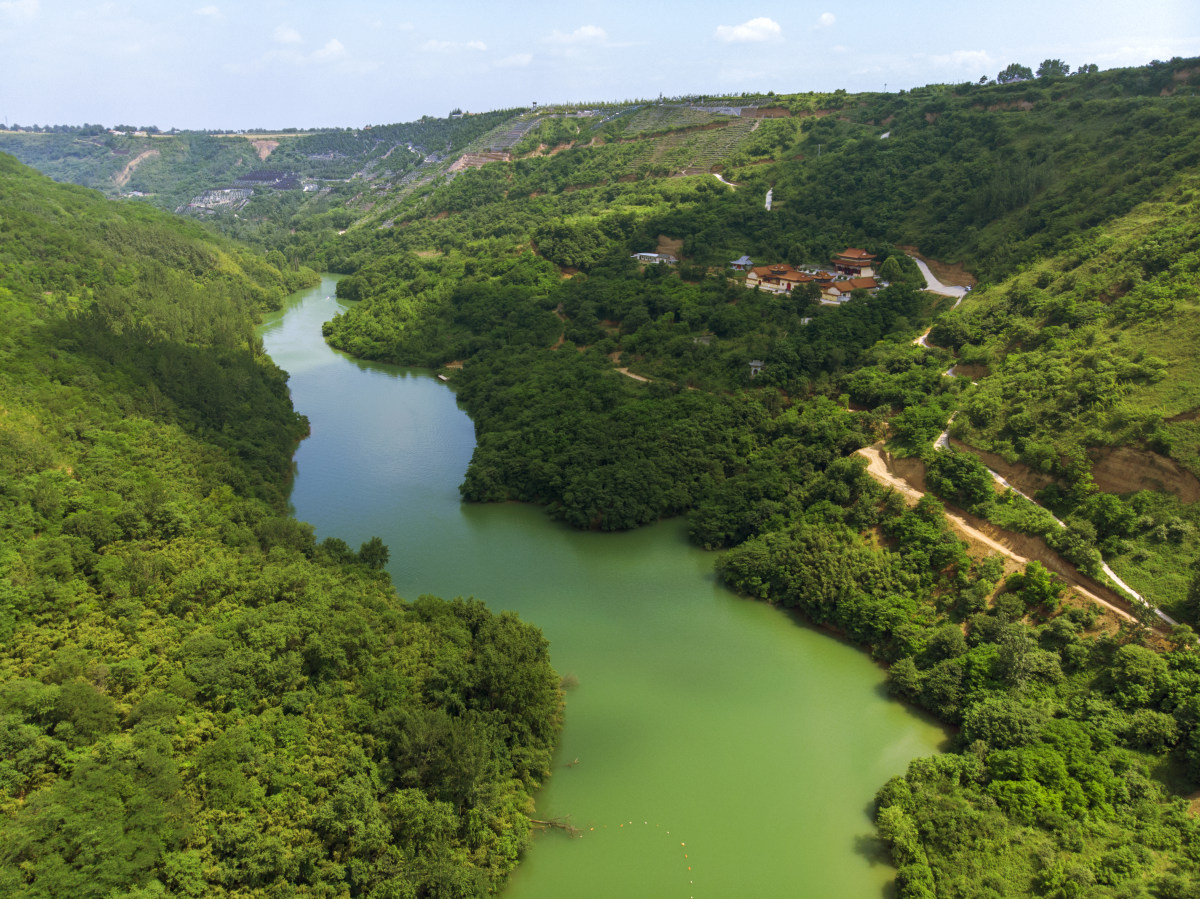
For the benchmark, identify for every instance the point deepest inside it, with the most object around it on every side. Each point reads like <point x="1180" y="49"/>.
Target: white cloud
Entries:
<point x="516" y="61"/>
<point x="211" y="11"/>
<point x="826" y="20"/>
<point x="760" y="29"/>
<point x="287" y="35"/>
<point x="966" y="59"/>
<point x="333" y="49"/>
<point x="584" y="34"/>
<point x="19" y="10"/>
<point x="433" y="46"/>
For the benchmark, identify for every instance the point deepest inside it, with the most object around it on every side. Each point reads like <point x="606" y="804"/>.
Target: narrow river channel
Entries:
<point x="714" y="746"/>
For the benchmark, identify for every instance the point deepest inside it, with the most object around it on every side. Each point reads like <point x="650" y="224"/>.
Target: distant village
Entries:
<point x="852" y="269"/>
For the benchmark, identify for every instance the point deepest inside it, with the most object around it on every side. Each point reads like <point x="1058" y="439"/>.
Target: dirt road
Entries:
<point x="877" y="468"/>
<point x="126" y="173"/>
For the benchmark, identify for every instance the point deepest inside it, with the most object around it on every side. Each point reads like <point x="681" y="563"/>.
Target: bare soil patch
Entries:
<point x="1126" y="469"/>
<point x="264" y="148"/>
<point x="1024" y="105"/>
<point x="668" y="245"/>
<point x="973" y="372"/>
<point x="1179" y="78"/>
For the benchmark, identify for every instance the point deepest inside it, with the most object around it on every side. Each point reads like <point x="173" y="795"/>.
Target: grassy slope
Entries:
<point x="1127" y="290"/>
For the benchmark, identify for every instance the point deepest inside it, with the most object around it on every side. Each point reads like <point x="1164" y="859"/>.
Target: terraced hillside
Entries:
<point x="694" y="151"/>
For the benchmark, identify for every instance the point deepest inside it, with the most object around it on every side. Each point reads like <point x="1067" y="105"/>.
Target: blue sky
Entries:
<point x="278" y="63"/>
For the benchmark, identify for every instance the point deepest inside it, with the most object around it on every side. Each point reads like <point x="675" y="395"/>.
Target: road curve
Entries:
<point x="933" y="285"/>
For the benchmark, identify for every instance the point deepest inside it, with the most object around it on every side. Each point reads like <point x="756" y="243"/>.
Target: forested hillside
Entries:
<point x="258" y="186"/>
<point x="615" y="394"/>
<point x="196" y="698"/>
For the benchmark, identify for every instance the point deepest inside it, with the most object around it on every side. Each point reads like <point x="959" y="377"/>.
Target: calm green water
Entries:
<point x="724" y="750"/>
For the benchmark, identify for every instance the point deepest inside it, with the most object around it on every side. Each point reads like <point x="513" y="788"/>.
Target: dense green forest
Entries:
<point x="196" y="698"/>
<point x="1073" y="201"/>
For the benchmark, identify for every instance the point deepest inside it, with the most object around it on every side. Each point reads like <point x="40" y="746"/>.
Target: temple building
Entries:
<point x="782" y="278"/>
<point x="855" y="262"/>
<point x="838" y="292"/>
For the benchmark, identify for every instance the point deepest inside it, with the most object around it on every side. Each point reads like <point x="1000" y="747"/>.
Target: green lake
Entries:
<point x="723" y="748"/>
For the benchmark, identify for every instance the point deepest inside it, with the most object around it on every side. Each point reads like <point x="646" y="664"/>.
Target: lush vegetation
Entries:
<point x="616" y="395"/>
<point x="196" y="698"/>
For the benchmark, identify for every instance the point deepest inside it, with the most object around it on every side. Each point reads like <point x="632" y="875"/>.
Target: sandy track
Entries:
<point x="627" y="373"/>
<point x="126" y="173"/>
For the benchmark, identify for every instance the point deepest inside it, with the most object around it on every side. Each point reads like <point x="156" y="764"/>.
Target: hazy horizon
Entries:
<point x="295" y="63"/>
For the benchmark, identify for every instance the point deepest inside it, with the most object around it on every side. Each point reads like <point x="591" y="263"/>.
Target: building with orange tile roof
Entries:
<point x="853" y="261"/>
<point x="779" y="277"/>
<point x="839" y="291"/>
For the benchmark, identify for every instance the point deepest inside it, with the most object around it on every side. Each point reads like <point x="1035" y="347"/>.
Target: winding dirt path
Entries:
<point x="943" y="442"/>
<point x="878" y="469"/>
<point x="126" y="173"/>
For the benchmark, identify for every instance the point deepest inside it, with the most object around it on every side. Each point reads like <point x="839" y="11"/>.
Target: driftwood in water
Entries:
<point x="559" y="824"/>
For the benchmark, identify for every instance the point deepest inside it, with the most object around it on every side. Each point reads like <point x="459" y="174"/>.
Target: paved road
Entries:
<point x="933" y="285"/>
